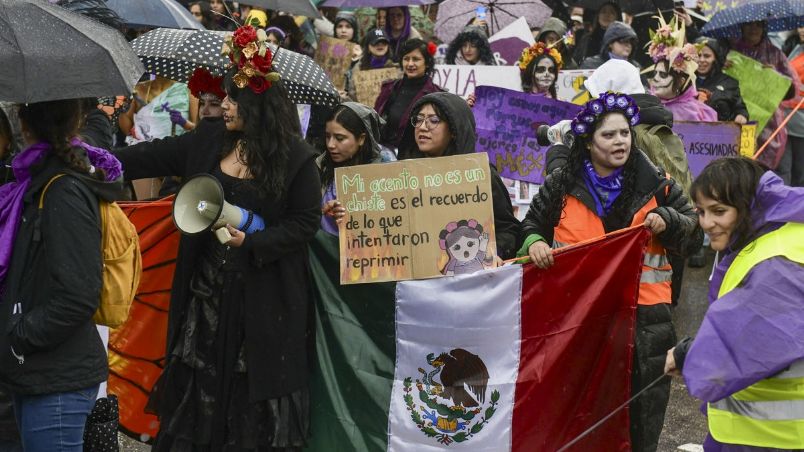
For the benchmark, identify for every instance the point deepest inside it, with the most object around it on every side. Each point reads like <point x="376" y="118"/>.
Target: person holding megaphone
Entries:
<point x="235" y="373"/>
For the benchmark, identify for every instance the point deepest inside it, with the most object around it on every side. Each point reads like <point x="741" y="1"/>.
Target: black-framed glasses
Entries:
<point x="431" y="122"/>
<point x="654" y="74"/>
<point x="541" y="69"/>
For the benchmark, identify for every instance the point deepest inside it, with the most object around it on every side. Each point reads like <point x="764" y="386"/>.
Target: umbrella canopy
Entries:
<point x="374" y="3"/>
<point x="154" y="13"/>
<point x="295" y="7"/>
<point x="175" y="54"/>
<point x="781" y="15"/>
<point x="50" y="53"/>
<point x="454" y="15"/>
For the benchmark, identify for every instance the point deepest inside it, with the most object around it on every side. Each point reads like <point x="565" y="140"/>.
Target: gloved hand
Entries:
<point x="175" y="115"/>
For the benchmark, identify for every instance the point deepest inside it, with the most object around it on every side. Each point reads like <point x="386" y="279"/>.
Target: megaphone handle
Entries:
<point x="223" y="235"/>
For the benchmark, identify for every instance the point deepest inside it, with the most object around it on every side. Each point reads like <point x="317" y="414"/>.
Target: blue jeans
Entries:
<point x="54" y="422"/>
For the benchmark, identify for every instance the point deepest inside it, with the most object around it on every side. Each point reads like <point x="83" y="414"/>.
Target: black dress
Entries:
<point x="202" y="396"/>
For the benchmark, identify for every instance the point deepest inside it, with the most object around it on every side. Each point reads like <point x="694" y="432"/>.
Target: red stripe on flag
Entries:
<point x="577" y="338"/>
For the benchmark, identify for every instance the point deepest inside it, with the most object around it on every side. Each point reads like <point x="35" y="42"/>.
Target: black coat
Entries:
<point x="277" y="283"/>
<point x="55" y="282"/>
<point x="726" y="99"/>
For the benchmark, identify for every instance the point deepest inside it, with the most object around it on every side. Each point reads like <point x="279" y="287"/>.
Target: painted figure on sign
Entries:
<point x="465" y="244"/>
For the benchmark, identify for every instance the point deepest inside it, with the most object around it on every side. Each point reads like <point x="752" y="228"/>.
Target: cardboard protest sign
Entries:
<point x="508" y="43"/>
<point x="762" y="87"/>
<point x="570" y="88"/>
<point x="707" y="141"/>
<point x="515" y="156"/>
<point x="335" y="57"/>
<point x="516" y="112"/>
<point x="415" y="219"/>
<point x="463" y="79"/>
<point x="368" y="83"/>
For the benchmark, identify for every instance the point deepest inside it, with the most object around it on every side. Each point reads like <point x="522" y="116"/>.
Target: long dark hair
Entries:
<point x="349" y="120"/>
<point x="526" y="76"/>
<point x="207" y="16"/>
<point x="417" y="44"/>
<point x="56" y="123"/>
<point x="485" y="55"/>
<point x="732" y="181"/>
<point x="564" y="178"/>
<point x="270" y="122"/>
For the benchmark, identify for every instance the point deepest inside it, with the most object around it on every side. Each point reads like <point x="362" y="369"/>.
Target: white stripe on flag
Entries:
<point x="478" y="314"/>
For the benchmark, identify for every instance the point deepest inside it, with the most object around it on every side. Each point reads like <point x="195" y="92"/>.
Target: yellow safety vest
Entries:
<point x="769" y="413"/>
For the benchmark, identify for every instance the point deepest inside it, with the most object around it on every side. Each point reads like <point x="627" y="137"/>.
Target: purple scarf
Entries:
<point x="11" y="194"/>
<point x="604" y="190"/>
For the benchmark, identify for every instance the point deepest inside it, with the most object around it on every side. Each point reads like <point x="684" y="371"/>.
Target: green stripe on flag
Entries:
<point x="355" y="354"/>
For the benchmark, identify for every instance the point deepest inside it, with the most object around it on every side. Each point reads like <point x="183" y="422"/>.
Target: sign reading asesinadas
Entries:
<point x="415" y="219"/>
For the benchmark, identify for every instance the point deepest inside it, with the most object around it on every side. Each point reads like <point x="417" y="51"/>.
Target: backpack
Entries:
<point x="122" y="262"/>
<point x="666" y="150"/>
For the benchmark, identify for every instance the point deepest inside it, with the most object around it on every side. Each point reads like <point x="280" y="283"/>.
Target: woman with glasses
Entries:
<point x="441" y="124"/>
<point x="397" y="97"/>
<point x="538" y="69"/>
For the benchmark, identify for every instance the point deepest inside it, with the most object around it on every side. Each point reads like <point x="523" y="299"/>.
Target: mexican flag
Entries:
<point x="515" y="358"/>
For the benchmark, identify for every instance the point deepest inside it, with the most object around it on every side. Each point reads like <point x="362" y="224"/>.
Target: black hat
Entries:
<point x="376" y="35"/>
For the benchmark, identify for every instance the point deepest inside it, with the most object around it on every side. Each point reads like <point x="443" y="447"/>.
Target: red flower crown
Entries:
<point x="247" y="48"/>
<point x="203" y="82"/>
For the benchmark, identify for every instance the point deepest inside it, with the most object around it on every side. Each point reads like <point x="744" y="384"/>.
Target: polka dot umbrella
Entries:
<point x="781" y="15"/>
<point x="175" y="54"/>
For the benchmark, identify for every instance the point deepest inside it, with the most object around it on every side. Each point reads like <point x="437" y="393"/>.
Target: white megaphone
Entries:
<point x="199" y="206"/>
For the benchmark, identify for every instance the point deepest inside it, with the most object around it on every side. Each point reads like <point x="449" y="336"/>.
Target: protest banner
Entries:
<point x="570" y="88"/>
<point x="335" y="57"/>
<point x="401" y="218"/>
<point x="762" y="87"/>
<point x="516" y="112"/>
<point x="368" y="83"/>
<point x="707" y="141"/>
<point x="515" y="156"/>
<point x="463" y="79"/>
<point x="508" y="43"/>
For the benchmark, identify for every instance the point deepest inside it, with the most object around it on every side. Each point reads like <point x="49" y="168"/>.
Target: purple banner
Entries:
<point x="707" y="141"/>
<point x="516" y="112"/>
<point x="515" y="156"/>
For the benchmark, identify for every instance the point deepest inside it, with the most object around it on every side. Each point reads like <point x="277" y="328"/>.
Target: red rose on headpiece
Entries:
<point x="258" y="84"/>
<point x="263" y="64"/>
<point x="243" y="35"/>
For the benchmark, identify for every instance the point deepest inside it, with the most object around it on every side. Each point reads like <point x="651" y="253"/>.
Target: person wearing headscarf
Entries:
<point x="346" y="28"/>
<point x="674" y="82"/>
<point x="619" y="43"/>
<point x="352" y="131"/>
<point x="716" y="89"/>
<point x="538" y="70"/>
<point x="397" y="97"/>
<point x="442" y="124"/>
<point x="399" y="28"/>
<point x="589" y="44"/>
<point x="471" y="47"/>
<point x="554" y="34"/>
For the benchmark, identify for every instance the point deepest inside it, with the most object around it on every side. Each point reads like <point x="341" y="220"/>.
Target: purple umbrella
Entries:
<point x="454" y="15"/>
<point x="374" y="3"/>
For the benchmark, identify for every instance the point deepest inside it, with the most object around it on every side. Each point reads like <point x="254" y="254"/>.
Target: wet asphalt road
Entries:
<point x="684" y="423"/>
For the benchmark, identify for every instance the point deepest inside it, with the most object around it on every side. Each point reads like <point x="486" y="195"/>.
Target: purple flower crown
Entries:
<point x="607" y="102"/>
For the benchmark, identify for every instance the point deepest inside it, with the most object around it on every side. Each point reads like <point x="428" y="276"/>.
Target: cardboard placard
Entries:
<point x="516" y="112"/>
<point x="707" y="141"/>
<point x="415" y="218"/>
<point x="516" y="157"/>
<point x="463" y="79"/>
<point x="570" y="88"/>
<point x="335" y="57"/>
<point x="368" y="83"/>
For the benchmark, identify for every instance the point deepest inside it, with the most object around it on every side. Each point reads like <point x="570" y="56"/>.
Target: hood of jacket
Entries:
<point x="718" y="50"/>
<point x="52" y="165"/>
<point x="351" y="19"/>
<point x="616" y="31"/>
<point x="458" y="116"/>
<point x="555" y="25"/>
<point x="372" y="122"/>
<point x="775" y="202"/>
<point x="651" y="110"/>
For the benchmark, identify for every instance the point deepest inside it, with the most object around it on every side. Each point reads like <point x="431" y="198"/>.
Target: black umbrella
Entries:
<point x="50" y="53"/>
<point x="154" y="13"/>
<point x="295" y="7"/>
<point x="175" y="54"/>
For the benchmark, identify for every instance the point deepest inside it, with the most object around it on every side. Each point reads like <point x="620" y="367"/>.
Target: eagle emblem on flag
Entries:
<point x="451" y="405"/>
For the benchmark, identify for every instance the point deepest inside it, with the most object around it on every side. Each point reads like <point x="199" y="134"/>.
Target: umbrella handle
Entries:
<point x="778" y="129"/>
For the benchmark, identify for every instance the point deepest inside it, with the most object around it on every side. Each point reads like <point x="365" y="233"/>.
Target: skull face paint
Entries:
<point x="661" y="84"/>
<point x="544" y="75"/>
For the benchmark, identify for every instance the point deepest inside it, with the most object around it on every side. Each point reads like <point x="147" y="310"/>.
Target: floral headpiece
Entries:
<point x="607" y="102"/>
<point x="668" y="43"/>
<point x="203" y="82"/>
<point x="535" y="50"/>
<point x="247" y="48"/>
